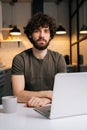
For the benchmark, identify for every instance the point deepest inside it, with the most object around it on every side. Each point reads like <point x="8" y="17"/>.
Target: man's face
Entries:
<point x="40" y="38"/>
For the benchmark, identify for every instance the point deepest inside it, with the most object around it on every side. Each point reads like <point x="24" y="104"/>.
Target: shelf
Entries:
<point x="9" y="38"/>
<point x="13" y="40"/>
<point x="6" y="29"/>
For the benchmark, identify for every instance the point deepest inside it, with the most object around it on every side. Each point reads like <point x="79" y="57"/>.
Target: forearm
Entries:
<point x="18" y="84"/>
<point x="25" y="96"/>
<point x="46" y="94"/>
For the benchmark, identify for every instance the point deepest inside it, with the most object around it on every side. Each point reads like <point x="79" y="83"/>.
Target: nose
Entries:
<point x="41" y="33"/>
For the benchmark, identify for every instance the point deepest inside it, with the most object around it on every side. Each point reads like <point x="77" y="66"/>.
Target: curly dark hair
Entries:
<point x="40" y="20"/>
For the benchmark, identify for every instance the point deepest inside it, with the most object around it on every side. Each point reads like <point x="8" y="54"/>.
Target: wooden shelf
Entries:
<point x="13" y="40"/>
<point x="6" y="29"/>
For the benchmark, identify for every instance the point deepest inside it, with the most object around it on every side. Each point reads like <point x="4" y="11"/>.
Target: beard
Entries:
<point x="39" y="47"/>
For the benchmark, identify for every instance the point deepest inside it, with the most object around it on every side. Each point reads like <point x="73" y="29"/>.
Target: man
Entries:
<point x="33" y="70"/>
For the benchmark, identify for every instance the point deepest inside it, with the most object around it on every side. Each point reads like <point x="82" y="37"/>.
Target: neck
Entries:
<point x="39" y="54"/>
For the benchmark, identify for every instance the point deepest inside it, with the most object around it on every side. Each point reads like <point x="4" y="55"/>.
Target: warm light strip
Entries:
<point x="61" y="32"/>
<point x="83" y="32"/>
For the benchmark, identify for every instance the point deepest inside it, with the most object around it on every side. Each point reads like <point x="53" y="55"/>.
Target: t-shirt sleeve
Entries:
<point x="18" y="65"/>
<point x="61" y="65"/>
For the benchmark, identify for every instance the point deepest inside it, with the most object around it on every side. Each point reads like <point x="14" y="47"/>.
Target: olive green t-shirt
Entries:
<point x="39" y="73"/>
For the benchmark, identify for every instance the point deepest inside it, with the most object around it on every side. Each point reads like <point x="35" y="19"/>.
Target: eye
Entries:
<point x="36" y="30"/>
<point x="47" y="31"/>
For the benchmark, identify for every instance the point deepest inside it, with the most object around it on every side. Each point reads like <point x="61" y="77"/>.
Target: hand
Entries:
<point x="47" y="94"/>
<point x="38" y="102"/>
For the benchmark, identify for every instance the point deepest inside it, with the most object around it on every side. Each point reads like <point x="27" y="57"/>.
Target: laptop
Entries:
<point x="69" y="96"/>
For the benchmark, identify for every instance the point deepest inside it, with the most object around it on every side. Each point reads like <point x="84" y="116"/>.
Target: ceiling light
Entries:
<point x="15" y="31"/>
<point x="60" y="30"/>
<point x="83" y="30"/>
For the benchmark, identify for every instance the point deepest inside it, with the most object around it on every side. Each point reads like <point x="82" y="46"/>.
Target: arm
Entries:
<point x="18" y="84"/>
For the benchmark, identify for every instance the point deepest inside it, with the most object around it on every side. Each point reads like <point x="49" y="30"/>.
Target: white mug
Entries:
<point x="9" y="104"/>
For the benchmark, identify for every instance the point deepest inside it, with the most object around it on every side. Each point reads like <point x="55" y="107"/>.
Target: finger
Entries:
<point x="44" y="102"/>
<point x="33" y="101"/>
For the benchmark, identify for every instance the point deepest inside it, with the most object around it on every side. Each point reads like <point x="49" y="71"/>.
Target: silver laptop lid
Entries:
<point x="69" y="95"/>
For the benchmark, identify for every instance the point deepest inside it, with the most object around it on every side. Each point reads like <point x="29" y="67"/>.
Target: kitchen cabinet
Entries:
<point x="5" y="82"/>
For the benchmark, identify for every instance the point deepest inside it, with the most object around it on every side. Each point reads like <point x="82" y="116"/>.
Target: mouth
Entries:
<point x="41" y="40"/>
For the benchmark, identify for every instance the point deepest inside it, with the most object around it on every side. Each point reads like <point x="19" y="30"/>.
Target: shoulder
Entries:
<point x="58" y="60"/>
<point x="21" y="58"/>
<point x="23" y="54"/>
<point x="19" y="61"/>
<point x="57" y="57"/>
<point x="55" y="54"/>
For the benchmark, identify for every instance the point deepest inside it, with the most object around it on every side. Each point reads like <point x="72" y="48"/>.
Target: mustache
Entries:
<point x="41" y="39"/>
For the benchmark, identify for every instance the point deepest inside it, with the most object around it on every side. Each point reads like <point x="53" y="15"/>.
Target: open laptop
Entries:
<point x="69" y="96"/>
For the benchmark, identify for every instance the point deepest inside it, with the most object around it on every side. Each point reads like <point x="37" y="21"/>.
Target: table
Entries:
<point x="28" y="119"/>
